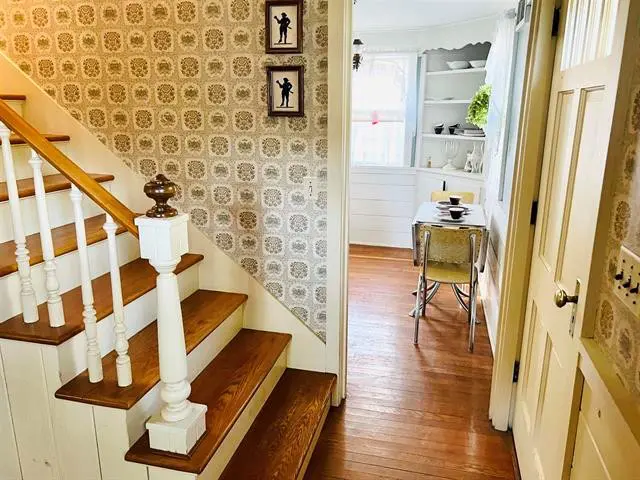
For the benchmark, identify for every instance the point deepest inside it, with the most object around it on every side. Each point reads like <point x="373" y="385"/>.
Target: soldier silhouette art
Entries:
<point x="285" y="26"/>
<point x="287" y="87"/>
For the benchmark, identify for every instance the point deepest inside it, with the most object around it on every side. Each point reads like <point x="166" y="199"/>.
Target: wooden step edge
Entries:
<point x="203" y="312"/>
<point x="52" y="183"/>
<point x="64" y="241"/>
<point x="138" y="278"/>
<point x="283" y="436"/>
<point x="13" y="97"/>
<point x="16" y="140"/>
<point x="226" y="386"/>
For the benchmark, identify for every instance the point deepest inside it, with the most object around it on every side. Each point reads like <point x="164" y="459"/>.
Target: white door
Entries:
<point x="583" y="90"/>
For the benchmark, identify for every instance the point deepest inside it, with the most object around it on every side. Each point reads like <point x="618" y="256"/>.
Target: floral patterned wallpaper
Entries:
<point x="617" y="330"/>
<point x="179" y="87"/>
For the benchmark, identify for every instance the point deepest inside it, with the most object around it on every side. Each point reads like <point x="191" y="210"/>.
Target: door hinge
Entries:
<point x="555" y="26"/>
<point x="534" y="212"/>
<point x="516" y="371"/>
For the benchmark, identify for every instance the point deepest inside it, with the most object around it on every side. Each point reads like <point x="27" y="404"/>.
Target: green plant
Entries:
<point x="479" y="107"/>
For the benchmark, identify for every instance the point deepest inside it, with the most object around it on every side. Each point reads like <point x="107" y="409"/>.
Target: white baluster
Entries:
<point x="52" y="285"/>
<point x="180" y="423"/>
<point x="123" y="362"/>
<point x="94" y="361"/>
<point x="27" y="293"/>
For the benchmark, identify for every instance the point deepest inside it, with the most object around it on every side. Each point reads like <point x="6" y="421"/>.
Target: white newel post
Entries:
<point x="27" y="293"/>
<point x="52" y="285"/>
<point x="123" y="362"/>
<point x="181" y="423"/>
<point x="94" y="360"/>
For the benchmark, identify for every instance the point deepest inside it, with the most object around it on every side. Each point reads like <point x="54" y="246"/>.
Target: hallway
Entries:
<point x="411" y="412"/>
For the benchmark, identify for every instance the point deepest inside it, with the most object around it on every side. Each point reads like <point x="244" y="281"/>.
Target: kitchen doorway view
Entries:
<point x="436" y="95"/>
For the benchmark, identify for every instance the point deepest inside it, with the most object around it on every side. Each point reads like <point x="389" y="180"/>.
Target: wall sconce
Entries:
<point x="357" y="53"/>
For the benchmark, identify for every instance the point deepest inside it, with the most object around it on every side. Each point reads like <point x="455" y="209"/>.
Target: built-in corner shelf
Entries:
<point x="447" y="102"/>
<point x="454" y="137"/>
<point x="464" y="71"/>
<point x="451" y="173"/>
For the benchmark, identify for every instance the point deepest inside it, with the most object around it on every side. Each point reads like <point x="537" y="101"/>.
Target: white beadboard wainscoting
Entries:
<point x="382" y="206"/>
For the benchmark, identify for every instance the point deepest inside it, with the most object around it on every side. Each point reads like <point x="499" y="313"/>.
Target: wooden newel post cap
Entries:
<point x="161" y="190"/>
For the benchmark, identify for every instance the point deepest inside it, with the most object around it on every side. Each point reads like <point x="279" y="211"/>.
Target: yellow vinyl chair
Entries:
<point x="467" y="197"/>
<point x="447" y="255"/>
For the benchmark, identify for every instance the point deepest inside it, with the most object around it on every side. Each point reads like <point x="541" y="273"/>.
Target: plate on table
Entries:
<point x="446" y="205"/>
<point x="446" y="214"/>
<point x="451" y="220"/>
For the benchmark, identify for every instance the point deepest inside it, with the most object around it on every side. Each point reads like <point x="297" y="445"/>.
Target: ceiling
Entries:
<point x="399" y="14"/>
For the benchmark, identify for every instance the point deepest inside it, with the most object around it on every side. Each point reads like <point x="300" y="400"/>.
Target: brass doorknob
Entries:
<point x="561" y="298"/>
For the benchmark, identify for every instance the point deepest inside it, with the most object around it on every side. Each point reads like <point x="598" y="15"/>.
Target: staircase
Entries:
<point x="109" y="346"/>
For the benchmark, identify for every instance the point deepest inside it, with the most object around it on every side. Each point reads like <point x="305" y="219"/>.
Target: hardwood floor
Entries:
<point x="411" y="412"/>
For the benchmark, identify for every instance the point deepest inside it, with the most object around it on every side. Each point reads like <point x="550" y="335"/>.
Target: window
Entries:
<point x="384" y="110"/>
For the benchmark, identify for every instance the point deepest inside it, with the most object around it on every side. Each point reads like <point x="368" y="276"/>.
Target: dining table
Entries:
<point x="430" y="213"/>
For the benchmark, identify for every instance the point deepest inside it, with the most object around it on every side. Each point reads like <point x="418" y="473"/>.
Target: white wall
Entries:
<point x="498" y="200"/>
<point x="382" y="206"/>
<point x="218" y="271"/>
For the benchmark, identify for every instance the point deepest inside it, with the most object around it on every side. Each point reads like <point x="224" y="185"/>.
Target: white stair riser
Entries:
<point x="68" y="273"/>
<point x="232" y="441"/>
<point x="58" y="435"/>
<point x="60" y="213"/>
<point x="116" y="430"/>
<point x="138" y="314"/>
<point x="21" y="155"/>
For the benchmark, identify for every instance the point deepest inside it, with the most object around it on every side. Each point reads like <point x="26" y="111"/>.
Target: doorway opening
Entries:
<point x="414" y="138"/>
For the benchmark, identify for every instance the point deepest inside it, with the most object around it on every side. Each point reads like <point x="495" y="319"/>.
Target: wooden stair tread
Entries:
<point x="226" y="386"/>
<point x="64" y="241"/>
<point x="281" y="438"/>
<point x="52" y="137"/>
<point x="8" y="97"/>
<point x="202" y="313"/>
<point x="138" y="278"/>
<point x="52" y="183"/>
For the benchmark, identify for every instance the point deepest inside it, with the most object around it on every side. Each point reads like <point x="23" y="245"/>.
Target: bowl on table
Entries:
<point x="456" y="212"/>
<point x="458" y="65"/>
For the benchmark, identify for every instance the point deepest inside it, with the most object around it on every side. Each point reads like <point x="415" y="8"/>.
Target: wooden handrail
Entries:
<point x="81" y="179"/>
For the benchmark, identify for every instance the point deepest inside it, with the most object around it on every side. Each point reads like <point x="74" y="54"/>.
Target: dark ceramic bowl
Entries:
<point x="438" y="130"/>
<point x="455" y="199"/>
<point x="456" y="212"/>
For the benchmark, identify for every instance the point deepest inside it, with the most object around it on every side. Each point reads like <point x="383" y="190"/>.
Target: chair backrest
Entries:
<point x="446" y="244"/>
<point x="439" y="195"/>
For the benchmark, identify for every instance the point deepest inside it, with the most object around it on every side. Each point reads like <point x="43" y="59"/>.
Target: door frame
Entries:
<point x="339" y="139"/>
<point x="520" y="230"/>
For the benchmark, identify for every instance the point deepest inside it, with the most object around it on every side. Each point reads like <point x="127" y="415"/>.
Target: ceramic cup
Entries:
<point x="456" y="212"/>
<point x="455" y="199"/>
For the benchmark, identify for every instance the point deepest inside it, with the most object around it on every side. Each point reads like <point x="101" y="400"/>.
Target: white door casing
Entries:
<point x="582" y="102"/>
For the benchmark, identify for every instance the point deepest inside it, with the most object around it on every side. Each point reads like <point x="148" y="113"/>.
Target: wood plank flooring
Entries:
<point x="411" y="412"/>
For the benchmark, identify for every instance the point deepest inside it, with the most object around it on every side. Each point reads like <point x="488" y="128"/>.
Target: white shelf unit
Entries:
<point x="447" y="102"/>
<point x="463" y="71"/>
<point x="437" y="81"/>
<point x="461" y="138"/>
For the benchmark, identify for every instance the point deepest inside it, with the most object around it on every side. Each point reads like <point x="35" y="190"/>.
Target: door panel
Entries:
<point x="558" y="173"/>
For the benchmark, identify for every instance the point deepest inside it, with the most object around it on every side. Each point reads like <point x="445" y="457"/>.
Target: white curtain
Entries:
<point x="499" y="68"/>
<point x="381" y="91"/>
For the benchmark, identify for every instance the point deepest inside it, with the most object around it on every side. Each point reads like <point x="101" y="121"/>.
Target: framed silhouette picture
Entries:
<point x="283" y="26"/>
<point x="286" y="91"/>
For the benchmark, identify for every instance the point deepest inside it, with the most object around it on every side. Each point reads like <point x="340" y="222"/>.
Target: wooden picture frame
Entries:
<point x="279" y="37"/>
<point x="285" y="92"/>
